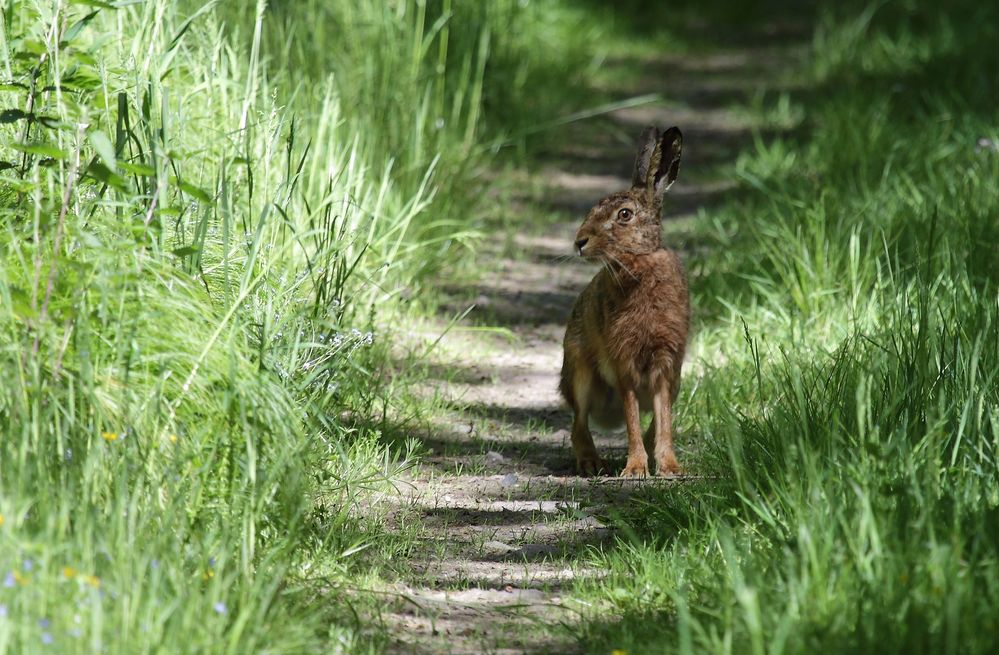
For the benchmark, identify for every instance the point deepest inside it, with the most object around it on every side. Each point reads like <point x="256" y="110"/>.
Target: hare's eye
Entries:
<point x="624" y="215"/>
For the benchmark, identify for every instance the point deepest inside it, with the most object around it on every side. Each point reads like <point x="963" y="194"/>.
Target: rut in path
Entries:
<point x="505" y="520"/>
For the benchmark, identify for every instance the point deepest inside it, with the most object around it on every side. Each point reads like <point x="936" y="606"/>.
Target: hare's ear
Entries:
<point x="646" y="147"/>
<point x="666" y="162"/>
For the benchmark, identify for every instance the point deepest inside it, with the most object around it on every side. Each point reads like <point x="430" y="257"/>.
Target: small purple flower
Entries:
<point x="211" y="562"/>
<point x="28" y="565"/>
<point x="47" y="638"/>
<point x="3" y="611"/>
<point x="154" y="564"/>
<point x="220" y="608"/>
<point x="44" y="623"/>
<point x="9" y="580"/>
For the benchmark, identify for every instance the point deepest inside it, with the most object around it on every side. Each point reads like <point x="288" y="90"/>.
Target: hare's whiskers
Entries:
<point x="623" y="267"/>
<point x="610" y="269"/>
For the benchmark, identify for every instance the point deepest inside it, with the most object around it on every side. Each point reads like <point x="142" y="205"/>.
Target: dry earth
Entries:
<point x="505" y="523"/>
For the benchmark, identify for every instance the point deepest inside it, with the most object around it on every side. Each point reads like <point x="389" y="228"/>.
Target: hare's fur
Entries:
<point x="626" y="336"/>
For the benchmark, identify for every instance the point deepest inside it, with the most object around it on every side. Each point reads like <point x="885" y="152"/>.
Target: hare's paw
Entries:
<point x="668" y="466"/>
<point x="589" y="464"/>
<point x="636" y="468"/>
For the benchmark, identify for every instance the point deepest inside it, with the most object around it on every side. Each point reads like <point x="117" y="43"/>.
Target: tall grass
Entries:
<point x="849" y="404"/>
<point x="206" y="217"/>
<point x="435" y="88"/>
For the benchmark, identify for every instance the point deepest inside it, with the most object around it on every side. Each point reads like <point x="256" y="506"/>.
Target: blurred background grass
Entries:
<point x="210" y="215"/>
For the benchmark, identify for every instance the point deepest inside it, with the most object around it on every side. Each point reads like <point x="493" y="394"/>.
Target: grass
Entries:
<point x="210" y="219"/>
<point x="849" y="346"/>
<point x="214" y="222"/>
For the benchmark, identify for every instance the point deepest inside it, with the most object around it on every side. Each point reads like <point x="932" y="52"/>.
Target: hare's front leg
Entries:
<point x="637" y="465"/>
<point x="662" y="424"/>
<point x="587" y="460"/>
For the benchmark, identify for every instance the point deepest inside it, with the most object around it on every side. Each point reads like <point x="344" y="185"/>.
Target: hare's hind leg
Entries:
<point x="587" y="460"/>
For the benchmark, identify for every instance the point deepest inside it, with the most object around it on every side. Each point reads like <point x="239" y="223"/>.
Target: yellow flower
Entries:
<point x="68" y="572"/>
<point x="172" y="438"/>
<point x="93" y="581"/>
<point x="19" y="579"/>
<point x="1" y="520"/>
<point x="109" y="436"/>
<point x="208" y="574"/>
<point x="618" y="651"/>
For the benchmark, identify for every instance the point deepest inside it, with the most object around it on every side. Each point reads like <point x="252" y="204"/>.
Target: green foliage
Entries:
<point x="168" y="340"/>
<point x="851" y="346"/>
<point x="207" y="216"/>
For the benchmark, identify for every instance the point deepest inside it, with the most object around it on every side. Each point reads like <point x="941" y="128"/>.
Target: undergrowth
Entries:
<point x="849" y="343"/>
<point x="210" y="218"/>
<point x="214" y="217"/>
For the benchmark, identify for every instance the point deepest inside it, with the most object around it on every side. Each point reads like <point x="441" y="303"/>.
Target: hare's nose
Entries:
<point x="580" y="243"/>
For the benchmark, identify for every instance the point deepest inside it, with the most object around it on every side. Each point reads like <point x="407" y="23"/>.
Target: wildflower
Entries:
<point x="47" y="637"/>
<point x="154" y="564"/>
<point x="3" y="611"/>
<point x="172" y="438"/>
<point x="44" y="623"/>
<point x="13" y="578"/>
<point x="110" y="436"/>
<point x="68" y="572"/>
<point x="208" y="574"/>
<point x="93" y="581"/>
<point x="220" y="608"/>
<point x="1" y="520"/>
<point x="28" y="564"/>
<point x="618" y="651"/>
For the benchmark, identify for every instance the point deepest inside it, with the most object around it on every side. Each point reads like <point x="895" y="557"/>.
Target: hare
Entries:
<point x="626" y="336"/>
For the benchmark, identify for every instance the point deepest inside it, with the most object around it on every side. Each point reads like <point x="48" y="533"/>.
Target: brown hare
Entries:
<point x="627" y="333"/>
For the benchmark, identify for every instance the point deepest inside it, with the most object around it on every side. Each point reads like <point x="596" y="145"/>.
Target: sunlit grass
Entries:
<point x="209" y="216"/>
<point x="214" y="217"/>
<point x="847" y="392"/>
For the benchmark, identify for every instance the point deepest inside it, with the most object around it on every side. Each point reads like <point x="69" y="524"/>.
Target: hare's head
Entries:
<point x="627" y="222"/>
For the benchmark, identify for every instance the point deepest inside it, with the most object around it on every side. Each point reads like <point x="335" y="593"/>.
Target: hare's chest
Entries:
<point x="635" y="326"/>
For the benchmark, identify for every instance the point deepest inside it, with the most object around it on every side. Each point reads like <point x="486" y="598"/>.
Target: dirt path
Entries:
<point x="505" y="523"/>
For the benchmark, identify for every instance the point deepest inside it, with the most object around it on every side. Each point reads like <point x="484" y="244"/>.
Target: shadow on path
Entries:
<point x="505" y="521"/>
